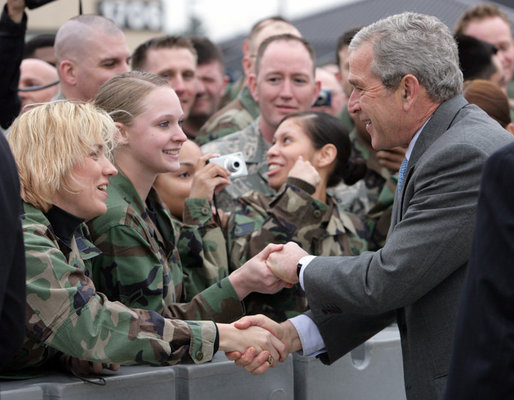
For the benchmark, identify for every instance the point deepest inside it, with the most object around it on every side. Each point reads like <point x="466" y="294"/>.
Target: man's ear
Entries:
<point x="68" y="72"/>
<point x="317" y="89"/>
<point x="339" y="77"/>
<point x="325" y="156"/>
<point x="121" y="136"/>
<point x="226" y="81"/>
<point x="409" y="90"/>
<point x="246" y="62"/>
<point x="246" y="47"/>
<point x="252" y="85"/>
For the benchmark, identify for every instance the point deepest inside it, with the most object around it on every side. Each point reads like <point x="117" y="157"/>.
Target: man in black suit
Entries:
<point x="483" y="356"/>
<point x="12" y="258"/>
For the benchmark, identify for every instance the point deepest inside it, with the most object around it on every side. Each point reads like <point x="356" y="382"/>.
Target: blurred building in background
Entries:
<point x="143" y="19"/>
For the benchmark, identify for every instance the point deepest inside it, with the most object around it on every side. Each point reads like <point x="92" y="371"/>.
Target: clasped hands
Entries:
<point x="282" y="260"/>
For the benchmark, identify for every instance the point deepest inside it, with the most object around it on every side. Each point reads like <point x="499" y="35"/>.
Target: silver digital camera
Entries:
<point x="234" y="163"/>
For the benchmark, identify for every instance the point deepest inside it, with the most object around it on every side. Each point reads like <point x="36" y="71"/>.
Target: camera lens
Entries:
<point x="233" y="165"/>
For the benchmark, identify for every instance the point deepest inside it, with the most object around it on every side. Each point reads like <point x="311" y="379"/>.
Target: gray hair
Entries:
<point x="417" y="44"/>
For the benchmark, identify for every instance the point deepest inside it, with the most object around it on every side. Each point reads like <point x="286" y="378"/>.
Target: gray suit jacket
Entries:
<point x="416" y="277"/>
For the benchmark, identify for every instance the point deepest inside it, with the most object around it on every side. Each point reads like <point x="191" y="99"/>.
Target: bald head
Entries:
<point x="90" y="50"/>
<point x="36" y="73"/>
<point x="74" y="34"/>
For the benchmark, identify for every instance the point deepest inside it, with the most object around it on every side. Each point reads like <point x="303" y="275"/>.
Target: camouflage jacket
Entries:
<point x="232" y="91"/>
<point x="235" y="116"/>
<point x="66" y="314"/>
<point x="373" y="196"/>
<point x="346" y="119"/>
<point x="254" y="148"/>
<point x="140" y="265"/>
<point x="202" y="248"/>
<point x="291" y="215"/>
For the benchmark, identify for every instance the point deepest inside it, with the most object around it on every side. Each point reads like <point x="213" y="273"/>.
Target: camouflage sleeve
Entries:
<point x="378" y="217"/>
<point x="132" y="271"/>
<point x="67" y="314"/>
<point x="292" y="215"/>
<point x="258" y="220"/>
<point x="227" y="123"/>
<point x="201" y="247"/>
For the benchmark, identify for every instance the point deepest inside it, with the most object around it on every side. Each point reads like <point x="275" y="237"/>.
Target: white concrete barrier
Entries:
<point x="372" y="371"/>
<point x="221" y="379"/>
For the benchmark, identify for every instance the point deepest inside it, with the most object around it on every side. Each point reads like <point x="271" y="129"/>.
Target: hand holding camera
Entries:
<point x="234" y="163"/>
<point x="324" y="98"/>
<point x="209" y="177"/>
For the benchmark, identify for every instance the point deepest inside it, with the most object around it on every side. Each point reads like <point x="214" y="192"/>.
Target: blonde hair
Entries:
<point x="49" y="140"/>
<point x="123" y="96"/>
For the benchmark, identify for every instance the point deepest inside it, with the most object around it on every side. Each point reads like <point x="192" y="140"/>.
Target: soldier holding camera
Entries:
<point x="283" y="83"/>
<point x="310" y="153"/>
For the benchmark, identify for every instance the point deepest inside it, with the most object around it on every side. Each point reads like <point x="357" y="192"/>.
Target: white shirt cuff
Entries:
<point x="312" y="342"/>
<point x="305" y="260"/>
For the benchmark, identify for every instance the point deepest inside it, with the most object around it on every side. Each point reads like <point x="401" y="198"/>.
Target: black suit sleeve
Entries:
<point x="483" y="356"/>
<point x="12" y="42"/>
<point x="12" y="258"/>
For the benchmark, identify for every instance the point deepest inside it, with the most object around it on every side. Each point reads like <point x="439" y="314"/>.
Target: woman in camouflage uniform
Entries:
<point x="60" y="151"/>
<point x="140" y="264"/>
<point x="187" y="192"/>
<point x="310" y="152"/>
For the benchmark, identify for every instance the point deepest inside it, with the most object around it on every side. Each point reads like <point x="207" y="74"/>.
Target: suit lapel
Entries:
<point x="439" y="123"/>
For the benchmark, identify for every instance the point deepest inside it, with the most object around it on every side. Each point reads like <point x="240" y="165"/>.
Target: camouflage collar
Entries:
<point x="248" y="102"/>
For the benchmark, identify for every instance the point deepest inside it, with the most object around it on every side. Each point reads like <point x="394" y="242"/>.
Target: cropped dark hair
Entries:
<point x="138" y="58"/>
<point x="344" y="41"/>
<point x="43" y="40"/>
<point x="323" y="128"/>
<point x="475" y="57"/>
<point x="478" y="13"/>
<point x="206" y="50"/>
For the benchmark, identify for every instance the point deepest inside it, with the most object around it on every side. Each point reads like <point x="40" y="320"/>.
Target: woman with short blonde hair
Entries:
<point x="44" y="157"/>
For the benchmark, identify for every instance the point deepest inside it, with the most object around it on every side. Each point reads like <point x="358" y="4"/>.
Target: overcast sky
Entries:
<point x="224" y="18"/>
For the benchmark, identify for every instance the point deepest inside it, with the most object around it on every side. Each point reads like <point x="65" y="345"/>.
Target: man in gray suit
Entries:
<point x="407" y="89"/>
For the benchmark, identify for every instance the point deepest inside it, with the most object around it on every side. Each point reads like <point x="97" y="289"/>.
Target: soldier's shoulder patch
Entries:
<point x="243" y="229"/>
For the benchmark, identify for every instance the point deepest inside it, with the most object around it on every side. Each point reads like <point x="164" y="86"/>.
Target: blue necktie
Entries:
<point x="401" y="173"/>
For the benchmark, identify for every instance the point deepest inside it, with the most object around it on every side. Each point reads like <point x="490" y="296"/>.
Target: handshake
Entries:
<point x="265" y="342"/>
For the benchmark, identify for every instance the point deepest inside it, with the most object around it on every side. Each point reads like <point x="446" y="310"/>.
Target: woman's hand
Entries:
<point x="208" y="178"/>
<point x="305" y="171"/>
<point x="254" y="339"/>
<point x="256" y="362"/>
<point x="84" y="367"/>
